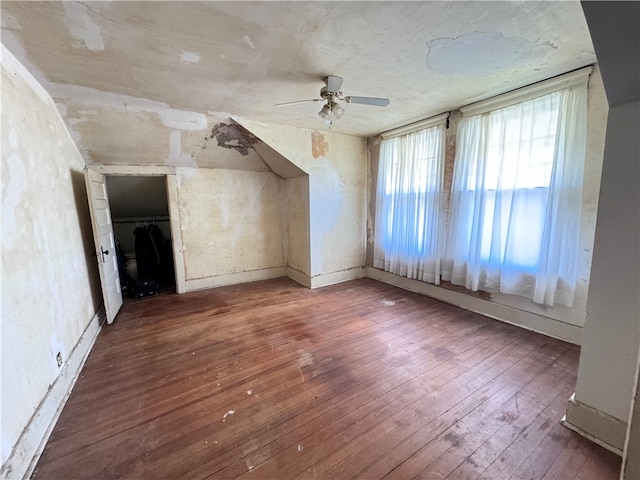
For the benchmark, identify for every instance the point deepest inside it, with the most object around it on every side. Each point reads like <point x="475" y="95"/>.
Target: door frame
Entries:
<point x="172" y="200"/>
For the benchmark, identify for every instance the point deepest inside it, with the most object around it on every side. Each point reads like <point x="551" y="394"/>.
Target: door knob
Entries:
<point x="103" y="252"/>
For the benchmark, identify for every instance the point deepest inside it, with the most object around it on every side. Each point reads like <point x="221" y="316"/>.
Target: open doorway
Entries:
<point x="141" y="225"/>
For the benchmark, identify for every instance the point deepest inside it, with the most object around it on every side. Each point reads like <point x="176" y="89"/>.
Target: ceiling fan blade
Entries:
<point x="299" y="101"/>
<point x="378" y="102"/>
<point x="334" y="84"/>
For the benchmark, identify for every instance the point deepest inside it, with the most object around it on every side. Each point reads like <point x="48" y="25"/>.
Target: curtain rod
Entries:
<point x="415" y="126"/>
<point x="528" y="92"/>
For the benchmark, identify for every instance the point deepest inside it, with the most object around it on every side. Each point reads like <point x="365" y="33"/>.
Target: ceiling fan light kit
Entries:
<point x="332" y="92"/>
<point x="331" y="111"/>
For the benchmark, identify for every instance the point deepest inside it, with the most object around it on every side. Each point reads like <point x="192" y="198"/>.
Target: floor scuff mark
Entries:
<point x="305" y="358"/>
<point x="230" y="412"/>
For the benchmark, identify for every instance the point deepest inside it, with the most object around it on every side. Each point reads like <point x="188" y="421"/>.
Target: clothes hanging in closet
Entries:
<point x="149" y="243"/>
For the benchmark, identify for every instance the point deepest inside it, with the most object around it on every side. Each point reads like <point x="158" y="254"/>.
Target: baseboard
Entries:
<point x="337" y="277"/>
<point x="234" y="278"/>
<point x="600" y="428"/>
<point x="297" y="276"/>
<point x="29" y="447"/>
<point x="521" y="318"/>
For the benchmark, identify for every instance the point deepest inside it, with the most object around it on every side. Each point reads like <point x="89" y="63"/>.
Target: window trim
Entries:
<point x="578" y="77"/>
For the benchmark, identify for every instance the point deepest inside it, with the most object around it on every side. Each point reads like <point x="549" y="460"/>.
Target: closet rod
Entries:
<point x="141" y="219"/>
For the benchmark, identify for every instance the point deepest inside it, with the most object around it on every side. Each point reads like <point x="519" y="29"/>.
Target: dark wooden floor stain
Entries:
<point x="357" y="380"/>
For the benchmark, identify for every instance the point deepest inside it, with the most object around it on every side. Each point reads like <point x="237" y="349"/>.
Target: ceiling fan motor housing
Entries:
<point x="326" y="94"/>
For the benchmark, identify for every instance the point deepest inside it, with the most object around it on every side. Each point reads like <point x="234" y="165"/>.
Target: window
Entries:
<point x="516" y="198"/>
<point x="409" y="207"/>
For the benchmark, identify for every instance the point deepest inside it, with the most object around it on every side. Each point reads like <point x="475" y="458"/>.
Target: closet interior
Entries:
<point x="140" y="217"/>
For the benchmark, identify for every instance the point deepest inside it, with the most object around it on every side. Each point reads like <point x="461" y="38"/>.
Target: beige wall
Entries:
<point x="297" y="191"/>
<point x="50" y="290"/>
<point x="558" y="321"/>
<point x="240" y="219"/>
<point x="321" y="196"/>
<point x="336" y="165"/>
<point x="231" y="221"/>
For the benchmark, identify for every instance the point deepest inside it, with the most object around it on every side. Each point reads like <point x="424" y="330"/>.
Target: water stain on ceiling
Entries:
<point x="188" y="59"/>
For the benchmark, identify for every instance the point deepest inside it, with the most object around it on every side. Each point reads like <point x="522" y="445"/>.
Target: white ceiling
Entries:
<point x="240" y="58"/>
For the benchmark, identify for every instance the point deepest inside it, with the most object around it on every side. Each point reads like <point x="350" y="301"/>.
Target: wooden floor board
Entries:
<point x="512" y="425"/>
<point x="378" y="369"/>
<point x="433" y="437"/>
<point x="501" y="388"/>
<point x="356" y="380"/>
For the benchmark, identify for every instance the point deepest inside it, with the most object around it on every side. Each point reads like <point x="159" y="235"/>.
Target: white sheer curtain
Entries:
<point x="409" y="208"/>
<point x="516" y="198"/>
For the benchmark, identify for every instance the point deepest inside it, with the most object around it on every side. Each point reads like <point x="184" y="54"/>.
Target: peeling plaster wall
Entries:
<point x="137" y="132"/>
<point x="233" y="208"/>
<point x="537" y="317"/>
<point x="231" y="222"/>
<point x="336" y="165"/>
<point x="50" y="288"/>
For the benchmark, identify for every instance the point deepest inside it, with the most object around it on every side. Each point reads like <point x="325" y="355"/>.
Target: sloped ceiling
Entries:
<point x="237" y="59"/>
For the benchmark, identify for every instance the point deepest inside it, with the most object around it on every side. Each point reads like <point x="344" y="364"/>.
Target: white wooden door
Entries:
<point x="104" y="242"/>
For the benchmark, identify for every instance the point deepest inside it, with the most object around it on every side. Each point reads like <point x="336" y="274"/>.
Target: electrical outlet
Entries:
<point x="59" y="359"/>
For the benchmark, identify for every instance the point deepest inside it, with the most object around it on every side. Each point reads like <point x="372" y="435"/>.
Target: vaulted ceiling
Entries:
<point x="227" y="59"/>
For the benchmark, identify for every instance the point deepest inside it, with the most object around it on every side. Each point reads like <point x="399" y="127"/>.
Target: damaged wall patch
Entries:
<point x="230" y="136"/>
<point x="319" y="145"/>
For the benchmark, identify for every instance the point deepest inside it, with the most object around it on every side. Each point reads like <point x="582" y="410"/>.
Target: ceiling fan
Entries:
<point x="330" y="94"/>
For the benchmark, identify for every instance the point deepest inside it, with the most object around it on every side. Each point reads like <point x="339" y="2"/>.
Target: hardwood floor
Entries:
<point x="356" y="380"/>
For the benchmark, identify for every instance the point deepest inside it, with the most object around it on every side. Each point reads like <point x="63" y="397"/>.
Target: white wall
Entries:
<point x="50" y="290"/>
<point x="611" y="336"/>
<point x="558" y="321"/>
<point x="606" y="376"/>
